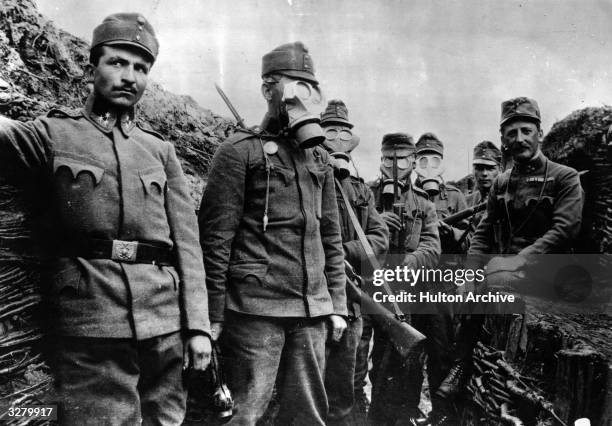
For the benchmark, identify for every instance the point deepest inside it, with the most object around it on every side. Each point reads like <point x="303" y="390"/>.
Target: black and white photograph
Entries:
<point x="300" y="212"/>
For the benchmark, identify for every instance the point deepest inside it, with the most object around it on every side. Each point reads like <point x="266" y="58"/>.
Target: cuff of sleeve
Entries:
<point x="193" y="332"/>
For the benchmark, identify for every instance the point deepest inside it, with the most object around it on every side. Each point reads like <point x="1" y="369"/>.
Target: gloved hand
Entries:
<point x="392" y="221"/>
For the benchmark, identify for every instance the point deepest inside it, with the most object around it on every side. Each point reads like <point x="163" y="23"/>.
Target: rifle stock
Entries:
<point x="406" y="339"/>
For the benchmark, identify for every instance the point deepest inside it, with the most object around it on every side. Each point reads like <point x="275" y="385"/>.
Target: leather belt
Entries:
<point x="124" y="251"/>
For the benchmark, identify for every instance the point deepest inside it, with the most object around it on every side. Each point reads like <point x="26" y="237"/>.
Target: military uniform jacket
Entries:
<point x="535" y="208"/>
<point x="112" y="180"/>
<point x="364" y="204"/>
<point x="473" y="199"/>
<point x="295" y="268"/>
<point x="450" y="201"/>
<point x="421" y="244"/>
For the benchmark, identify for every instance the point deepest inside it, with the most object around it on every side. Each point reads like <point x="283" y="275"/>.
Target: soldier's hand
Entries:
<point x="392" y="220"/>
<point x="444" y="229"/>
<point x="338" y="325"/>
<point x="216" y="328"/>
<point x="197" y="353"/>
<point x="506" y="264"/>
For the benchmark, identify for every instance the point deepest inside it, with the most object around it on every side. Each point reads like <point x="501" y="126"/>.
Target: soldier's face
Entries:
<point x="484" y="174"/>
<point x="121" y="76"/>
<point x="405" y="164"/>
<point x="522" y="139"/>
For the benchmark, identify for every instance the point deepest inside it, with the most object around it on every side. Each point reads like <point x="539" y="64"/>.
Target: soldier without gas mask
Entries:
<point x="127" y="291"/>
<point x="272" y="248"/>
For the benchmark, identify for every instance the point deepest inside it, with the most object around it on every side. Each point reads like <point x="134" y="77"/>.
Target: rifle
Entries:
<point x="402" y="335"/>
<point x="239" y="119"/>
<point x="460" y="215"/>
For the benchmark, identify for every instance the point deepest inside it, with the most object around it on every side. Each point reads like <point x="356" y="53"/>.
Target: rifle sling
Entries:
<point x="366" y="245"/>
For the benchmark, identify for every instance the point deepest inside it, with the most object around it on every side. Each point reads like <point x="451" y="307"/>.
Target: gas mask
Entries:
<point x="404" y="166"/>
<point x="304" y="104"/>
<point x="429" y="168"/>
<point x="339" y="142"/>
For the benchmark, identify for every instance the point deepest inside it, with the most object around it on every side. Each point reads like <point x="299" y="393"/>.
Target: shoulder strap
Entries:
<point x="366" y="244"/>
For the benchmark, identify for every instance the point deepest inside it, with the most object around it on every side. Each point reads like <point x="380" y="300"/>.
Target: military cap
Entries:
<point x="126" y="28"/>
<point x="292" y="60"/>
<point x="398" y="141"/>
<point x="487" y="153"/>
<point x="519" y="108"/>
<point x="335" y="113"/>
<point x="428" y="142"/>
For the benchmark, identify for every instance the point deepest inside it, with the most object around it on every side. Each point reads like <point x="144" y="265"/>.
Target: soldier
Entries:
<point x="448" y="200"/>
<point x="272" y="247"/>
<point x="127" y="278"/>
<point x="486" y="166"/>
<point x="412" y="222"/>
<point x="533" y="208"/>
<point x="340" y="141"/>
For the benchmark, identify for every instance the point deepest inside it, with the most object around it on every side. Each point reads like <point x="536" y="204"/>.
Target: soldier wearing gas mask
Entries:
<point x="340" y="140"/>
<point x="273" y="251"/>
<point x="412" y="222"/>
<point x="447" y="198"/>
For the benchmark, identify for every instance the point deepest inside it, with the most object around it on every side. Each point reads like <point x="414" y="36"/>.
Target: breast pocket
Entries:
<point x="77" y="186"/>
<point x="153" y="181"/>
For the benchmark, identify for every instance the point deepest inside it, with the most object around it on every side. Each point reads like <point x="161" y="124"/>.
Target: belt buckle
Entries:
<point x="124" y="251"/>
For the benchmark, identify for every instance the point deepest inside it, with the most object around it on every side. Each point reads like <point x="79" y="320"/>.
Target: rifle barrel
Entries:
<point x="460" y="215"/>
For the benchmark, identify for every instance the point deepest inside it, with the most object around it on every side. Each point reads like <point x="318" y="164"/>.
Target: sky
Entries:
<point x="410" y="66"/>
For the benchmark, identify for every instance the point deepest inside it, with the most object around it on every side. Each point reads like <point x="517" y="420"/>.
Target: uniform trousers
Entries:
<point x="102" y="381"/>
<point x="255" y="348"/>
<point x="340" y="373"/>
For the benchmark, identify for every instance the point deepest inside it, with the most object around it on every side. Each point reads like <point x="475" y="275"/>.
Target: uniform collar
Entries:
<point x="104" y="117"/>
<point x="536" y="164"/>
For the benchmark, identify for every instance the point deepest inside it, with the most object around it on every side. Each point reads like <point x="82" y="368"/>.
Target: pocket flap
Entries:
<point x="67" y="279"/>
<point x="77" y="166"/>
<point x="242" y="271"/>
<point x="544" y="199"/>
<point x="286" y="174"/>
<point x="155" y="177"/>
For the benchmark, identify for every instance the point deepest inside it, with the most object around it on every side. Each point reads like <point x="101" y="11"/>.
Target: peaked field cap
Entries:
<point x="127" y="29"/>
<point x="336" y="113"/>
<point x="397" y="141"/>
<point x="290" y="59"/>
<point x="428" y="142"/>
<point x="487" y="153"/>
<point x="520" y="107"/>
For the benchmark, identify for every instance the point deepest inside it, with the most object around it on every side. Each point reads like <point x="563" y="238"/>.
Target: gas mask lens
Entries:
<point x="304" y="104"/>
<point x="429" y="162"/>
<point x="403" y="163"/>
<point x="343" y="135"/>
